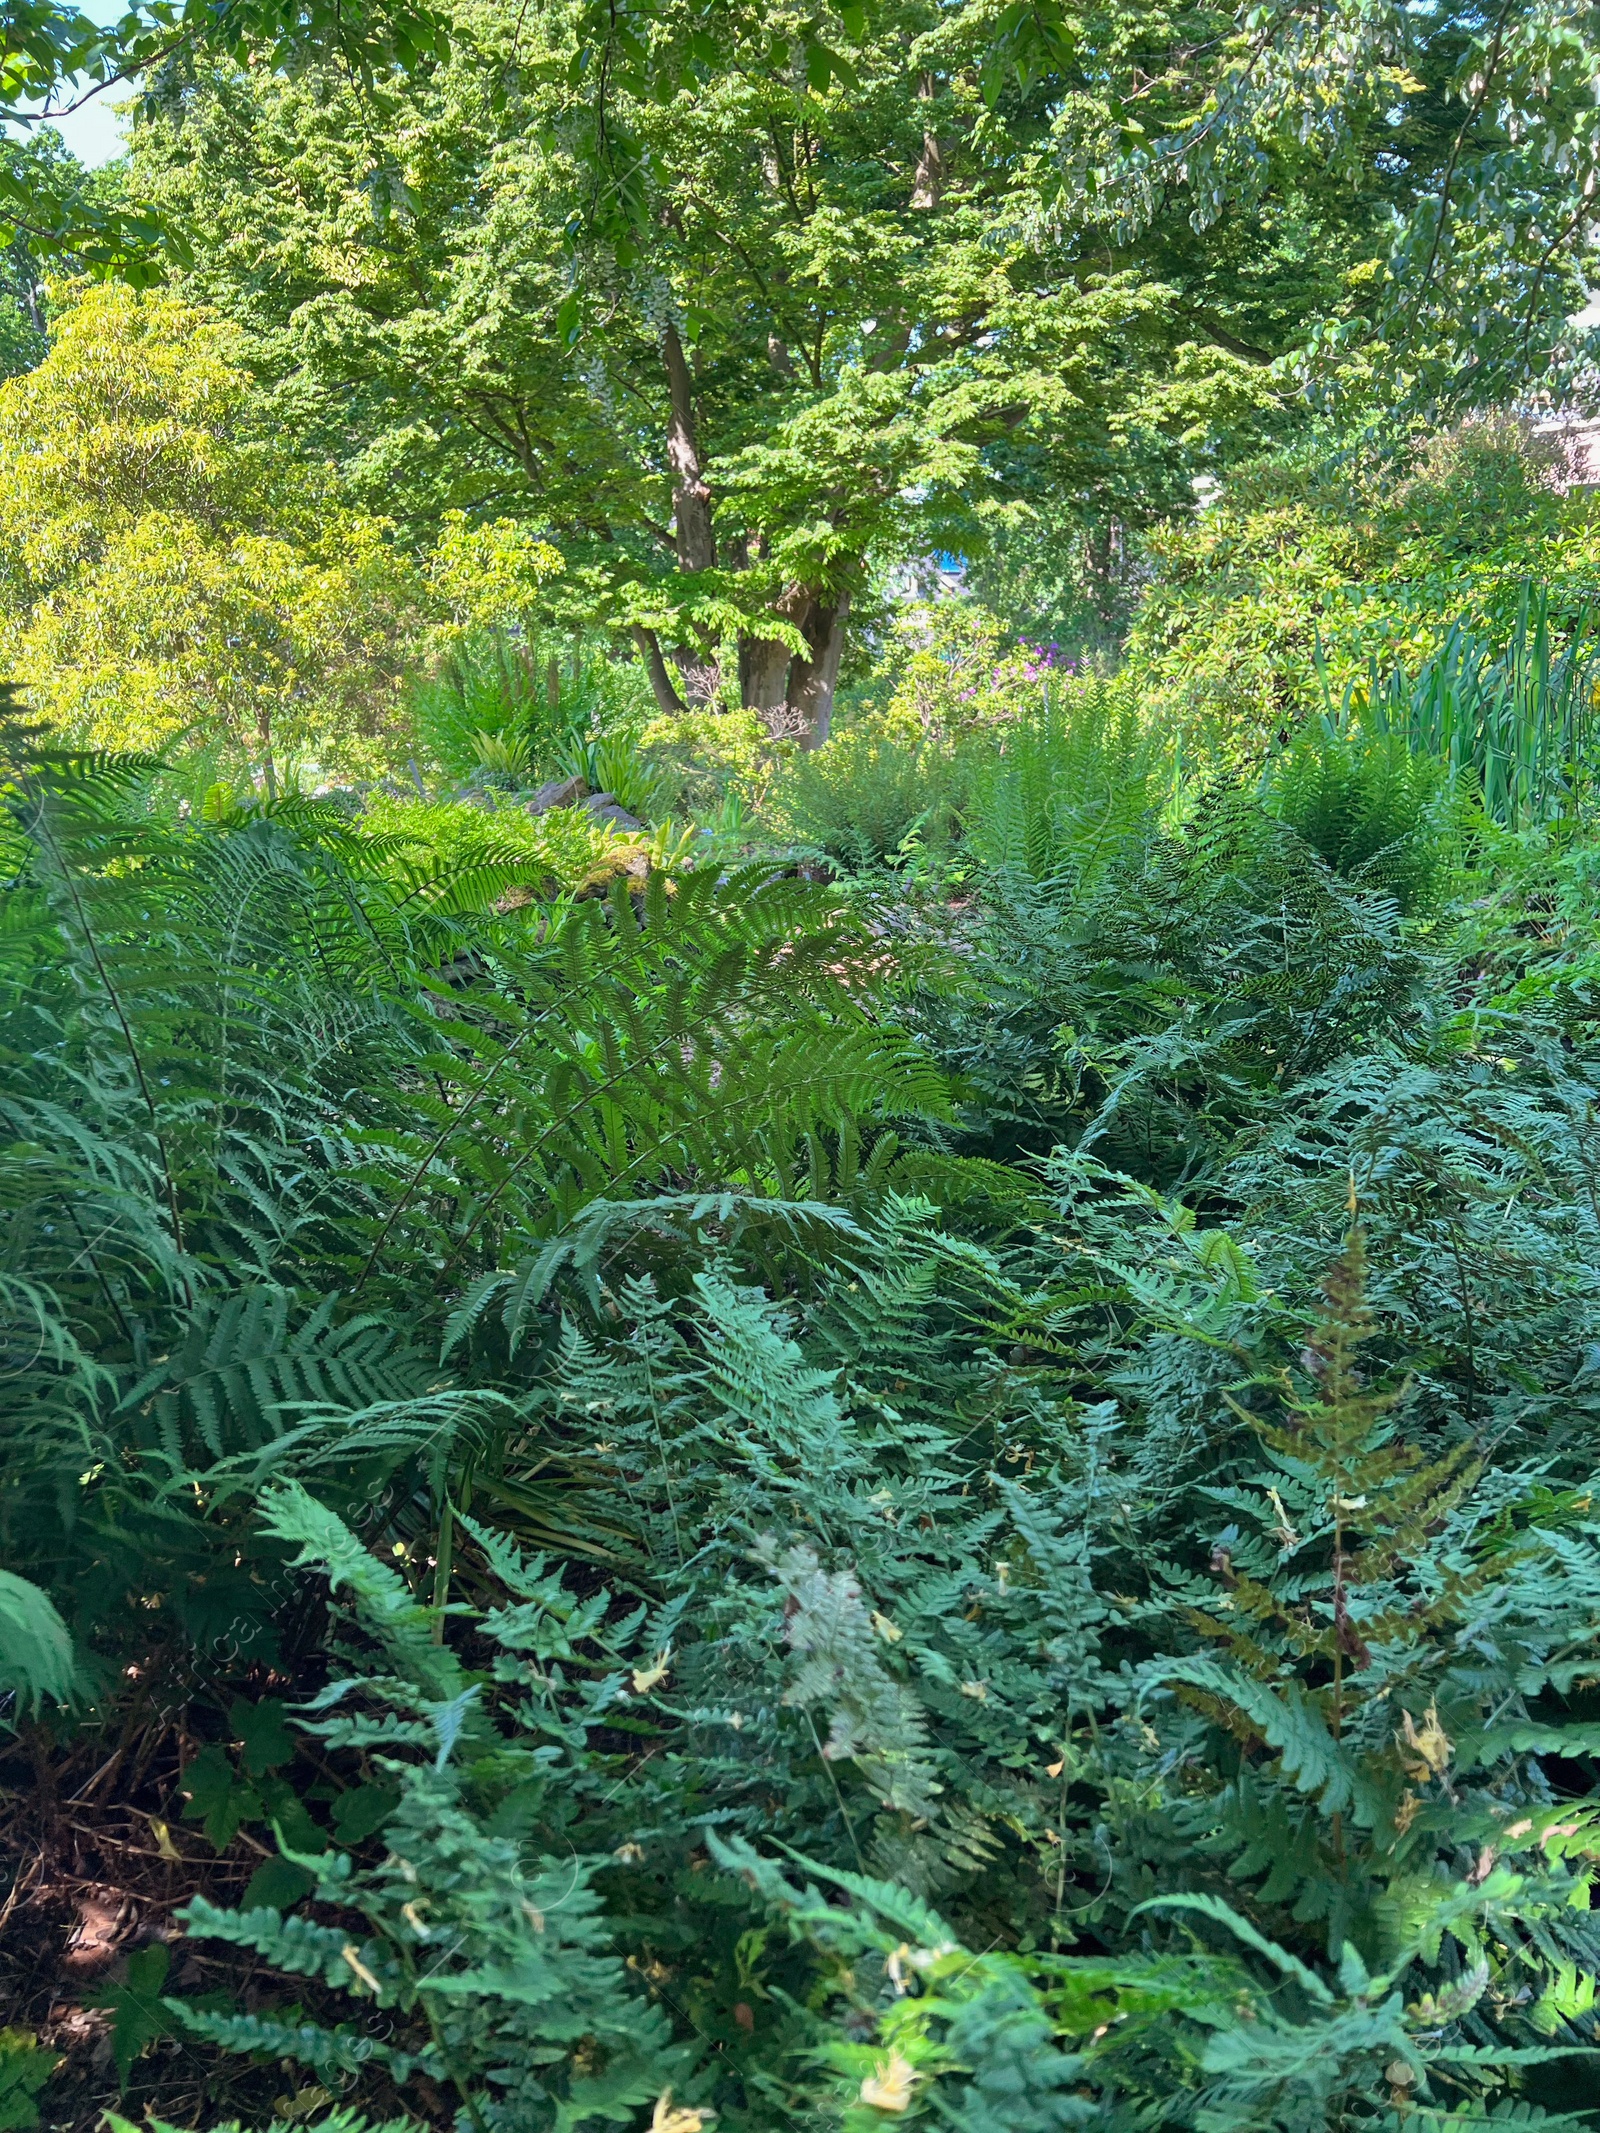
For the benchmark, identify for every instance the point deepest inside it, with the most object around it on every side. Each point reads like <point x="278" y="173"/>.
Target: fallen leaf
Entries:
<point x="1431" y="1748"/>
<point x="102" y="1920"/>
<point x="682" y="2119"/>
<point x="301" y="2104"/>
<point x="888" y="2087"/>
<point x="360" y="1969"/>
<point x="164" y="1843"/>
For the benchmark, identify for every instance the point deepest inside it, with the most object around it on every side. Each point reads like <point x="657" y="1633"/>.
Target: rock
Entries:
<point x="605" y="807"/>
<point x="619" y="864"/>
<point x="522" y="893"/>
<point x="560" y="792"/>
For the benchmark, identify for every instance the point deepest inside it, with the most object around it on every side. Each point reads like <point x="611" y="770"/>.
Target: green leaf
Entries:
<point x="358" y="1813"/>
<point x="275" y="1885"/>
<point x="286" y="1811"/>
<point x="1223" y="1914"/>
<point x="24" y="2070"/>
<point x="218" y="1798"/>
<point x="138" y="2015"/>
<point x="36" y="1658"/>
<point x="267" y="1740"/>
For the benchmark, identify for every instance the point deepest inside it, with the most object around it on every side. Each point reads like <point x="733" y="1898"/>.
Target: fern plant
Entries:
<point x="1386" y="1644"/>
<point x="1296" y="1795"/>
<point x="1162" y="989"/>
<point x="1377" y="812"/>
<point x="1059" y="795"/>
<point x="260" y="1067"/>
<point x="490" y="1970"/>
<point x="865" y="794"/>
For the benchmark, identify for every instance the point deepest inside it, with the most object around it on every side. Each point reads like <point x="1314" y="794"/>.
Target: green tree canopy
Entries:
<point x="170" y="567"/>
<point x="751" y="317"/>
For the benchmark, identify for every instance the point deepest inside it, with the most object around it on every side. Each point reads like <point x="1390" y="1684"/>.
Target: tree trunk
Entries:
<point x="691" y="499"/>
<point x="764" y="662"/>
<point x="763" y="673"/>
<point x="813" y="679"/>
<point x="264" y="743"/>
<point x="666" y="696"/>
<point x="928" y="186"/>
<point x="691" y="508"/>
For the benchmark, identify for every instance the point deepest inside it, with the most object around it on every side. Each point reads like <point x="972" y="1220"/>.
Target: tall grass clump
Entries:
<point x="1520" y="724"/>
<point x="521" y="708"/>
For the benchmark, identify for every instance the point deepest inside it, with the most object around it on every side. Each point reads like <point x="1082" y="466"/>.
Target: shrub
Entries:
<point x="945" y="668"/>
<point x="173" y="572"/>
<point x="865" y="793"/>
<point x="1325" y="559"/>
<point x="704" y="757"/>
<point x="562" y="847"/>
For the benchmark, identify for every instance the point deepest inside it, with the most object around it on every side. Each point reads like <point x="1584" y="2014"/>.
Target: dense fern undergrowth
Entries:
<point x="750" y="1502"/>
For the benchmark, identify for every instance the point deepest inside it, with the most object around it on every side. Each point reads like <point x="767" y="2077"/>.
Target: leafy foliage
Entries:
<point x="209" y="1230"/>
<point x="865" y="794"/>
<point x="1375" y="809"/>
<point x="24" y="2070"/>
<point x="169" y="567"/>
<point x="527" y="710"/>
<point x="36" y="1657"/>
<point x="1519" y="726"/>
<point x="964" y="1496"/>
<point x="1445" y="570"/>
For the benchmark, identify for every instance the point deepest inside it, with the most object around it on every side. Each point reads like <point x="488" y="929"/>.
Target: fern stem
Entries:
<point x="1469" y="1327"/>
<point x="833" y="1780"/>
<point x="99" y="1274"/>
<point x="469" y="2100"/>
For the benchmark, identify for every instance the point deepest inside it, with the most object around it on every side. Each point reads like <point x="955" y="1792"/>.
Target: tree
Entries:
<point x="170" y="568"/>
<point x="833" y="343"/>
<point x="745" y="317"/>
<point x="40" y="164"/>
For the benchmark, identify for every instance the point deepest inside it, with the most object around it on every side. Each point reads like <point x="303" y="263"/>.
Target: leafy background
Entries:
<point x="801" y="1283"/>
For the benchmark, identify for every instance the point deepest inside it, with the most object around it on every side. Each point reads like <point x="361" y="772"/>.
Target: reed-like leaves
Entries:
<point x="1520" y="723"/>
